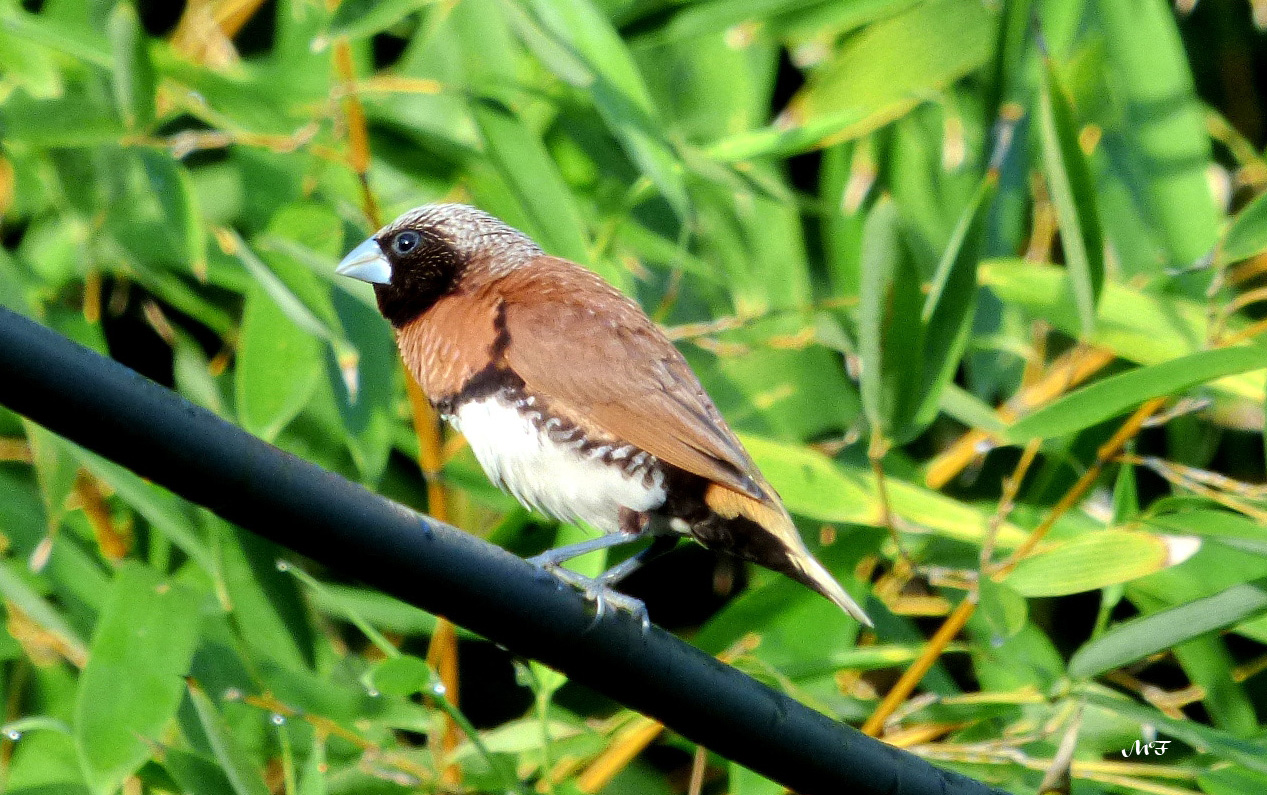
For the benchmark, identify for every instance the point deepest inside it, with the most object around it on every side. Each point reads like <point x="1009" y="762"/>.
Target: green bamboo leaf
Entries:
<point x="237" y="766"/>
<point x="132" y="684"/>
<point x="875" y="77"/>
<point x="277" y="369"/>
<point x="1004" y="609"/>
<point x="1117" y="394"/>
<point x="81" y="42"/>
<point x="164" y="511"/>
<point x="814" y="486"/>
<point x="1206" y="662"/>
<point x="75" y="119"/>
<point x="1073" y="195"/>
<point x="361" y="18"/>
<point x="313" y="778"/>
<point x="1231" y="780"/>
<point x="1168" y="153"/>
<point x="1139" y="326"/>
<point x="522" y="160"/>
<point x="1201" y="737"/>
<point x="56" y="470"/>
<point x="195" y="774"/>
<point x="810" y="483"/>
<point x="619" y="92"/>
<point x="267" y="605"/>
<point x="174" y="190"/>
<point x="969" y="409"/>
<point x="281" y="292"/>
<point x="889" y="328"/>
<point x="1247" y="235"/>
<point x="1233" y="529"/>
<point x="951" y="303"/>
<point x="401" y="676"/>
<point x="1091" y="561"/>
<point x="16" y="590"/>
<point x="714" y="16"/>
<point x="135" y="83"/>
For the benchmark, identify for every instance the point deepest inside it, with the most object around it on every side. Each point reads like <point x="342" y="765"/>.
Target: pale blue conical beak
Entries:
<point x="367" y="263"/>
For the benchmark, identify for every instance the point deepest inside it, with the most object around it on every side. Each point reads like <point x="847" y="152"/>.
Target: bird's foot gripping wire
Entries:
<point x="599" y="591"/>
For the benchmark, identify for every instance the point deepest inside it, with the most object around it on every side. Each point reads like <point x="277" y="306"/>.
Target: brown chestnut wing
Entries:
<point x="593" y="352"/>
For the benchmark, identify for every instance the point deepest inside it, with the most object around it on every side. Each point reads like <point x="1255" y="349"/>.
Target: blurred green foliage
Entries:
<point x="868" y="223"/>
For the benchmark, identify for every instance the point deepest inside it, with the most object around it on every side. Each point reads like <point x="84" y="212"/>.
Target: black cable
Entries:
<point x="105" y="407"/>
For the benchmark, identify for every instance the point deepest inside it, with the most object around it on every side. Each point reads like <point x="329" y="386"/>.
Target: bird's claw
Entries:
<point x="598" y="591"/>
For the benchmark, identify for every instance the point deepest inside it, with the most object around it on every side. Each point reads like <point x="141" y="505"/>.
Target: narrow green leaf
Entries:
<point x="312" y="780"/>
<point x="1247" y="235"/>
<point x="1199" y="736"/>
<point x="135" y="83"/>
<point x="277" y="370"/>
<point x="164" y="511"/>
<point x="15" y="589"/>
<point x="132" y="684"/>
<point x="816" y="487"/>
<point x="1073" y="195"/>
<point x="174" y="189"/>
<point x="195" y="774"/>
<point x="1140" y="637"/>
<point x="280" y="291"/>
<point x="951" y="303"/>
<point x="1231" y="780"/>
<point x="1117" y="394"/>
<point x="969" y="409"/>
<point x="80" y="42"/>
<point x="267" y="605"/>
<point x="1090" y="561"/>
<point x="714" y="16"/>
<point x="360" y="18"/>
<point x="55" y="468"/>
<point x="889" y="327"/>
<point x="1207" y="663"/>
<point x="619" y="92"/>
<point x="1139" y="326"/>
<point x="1005" y="610"/>
<point x="237" y="766"/>
<point x="875" y="77"/>
<point x="522" y="160"/>
<point x="1168" y="153"/>
<point x="401" y="676"/>
<point x="1233" y="529"/>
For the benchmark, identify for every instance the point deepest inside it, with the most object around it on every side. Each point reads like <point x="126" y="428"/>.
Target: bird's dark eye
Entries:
<point x="405" y="242"/>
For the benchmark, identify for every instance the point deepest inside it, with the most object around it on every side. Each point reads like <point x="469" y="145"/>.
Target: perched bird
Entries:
<point x="571" y="398"/>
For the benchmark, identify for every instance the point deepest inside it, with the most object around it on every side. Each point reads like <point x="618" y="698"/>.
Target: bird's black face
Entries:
<point x="410" y="266"/>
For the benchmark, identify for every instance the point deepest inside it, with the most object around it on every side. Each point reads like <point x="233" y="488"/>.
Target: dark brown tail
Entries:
<point x="774" y="543"/>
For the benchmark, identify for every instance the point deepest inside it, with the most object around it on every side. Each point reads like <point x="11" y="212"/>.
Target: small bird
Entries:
<point x="572" y="399"/>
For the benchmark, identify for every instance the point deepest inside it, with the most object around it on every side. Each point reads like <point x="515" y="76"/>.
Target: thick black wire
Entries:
<point x="114" y="411"/>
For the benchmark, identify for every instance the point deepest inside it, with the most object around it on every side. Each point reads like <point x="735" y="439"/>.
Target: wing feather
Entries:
<point x="594" y="353"/>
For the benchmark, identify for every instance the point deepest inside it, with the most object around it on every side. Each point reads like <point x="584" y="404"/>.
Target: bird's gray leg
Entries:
<point x="598" y="589"/>
<point x="552" y="558"/>
<point x="620" y="571"/>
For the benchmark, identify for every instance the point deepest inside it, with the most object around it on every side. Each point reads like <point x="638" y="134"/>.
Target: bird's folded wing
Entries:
<point x="606" y="362"/>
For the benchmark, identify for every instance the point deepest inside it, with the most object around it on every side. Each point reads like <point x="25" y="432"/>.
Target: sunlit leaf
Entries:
<point x="1247" y="236"/>
<point x="1117" y="394"/>
<point x="278" y="367"/>
<point x="1088" y="562"/>
<point x="132" y="685"/>
<point x="1073" y="195"/>
<point x="890" y="333"/>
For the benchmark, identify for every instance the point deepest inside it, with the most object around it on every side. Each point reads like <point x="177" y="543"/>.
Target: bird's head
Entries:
<point x="433" y="250"/>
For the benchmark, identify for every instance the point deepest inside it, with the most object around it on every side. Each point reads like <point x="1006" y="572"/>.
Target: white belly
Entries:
<point x="554" y="478"/>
